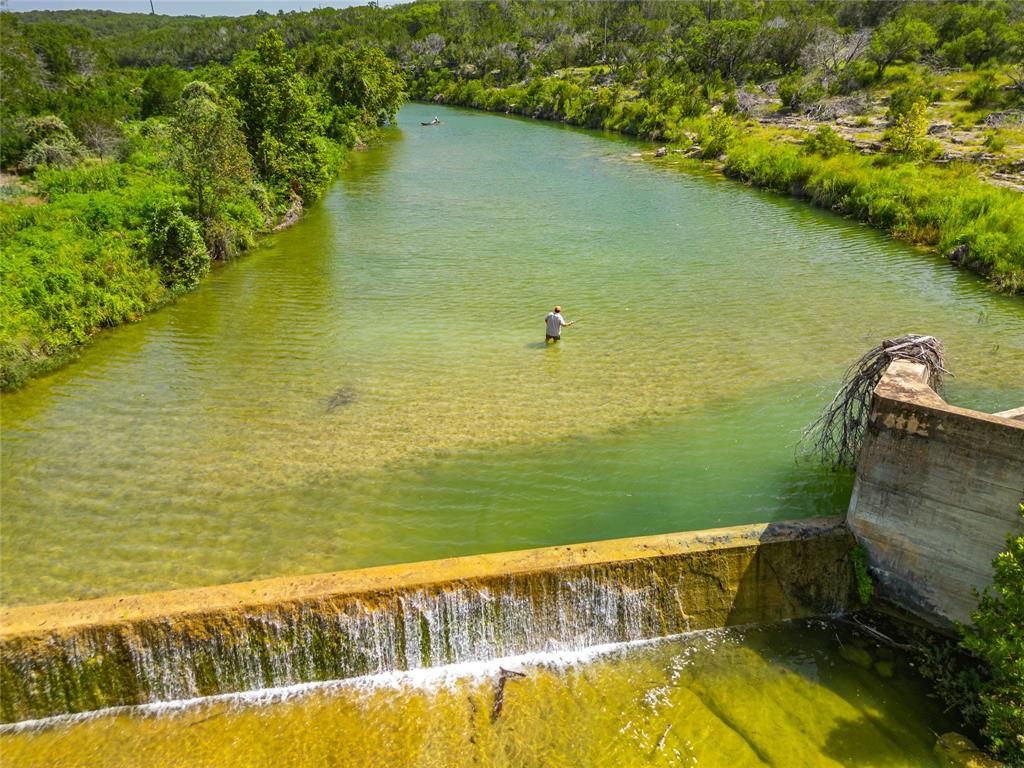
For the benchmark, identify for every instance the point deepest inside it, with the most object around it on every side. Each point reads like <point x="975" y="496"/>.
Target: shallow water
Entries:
<point x="372" y="387"/>
<point x="782" y="696"/>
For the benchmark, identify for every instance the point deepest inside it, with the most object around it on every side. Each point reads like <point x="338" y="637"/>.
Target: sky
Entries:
<point x="181" y="7"/>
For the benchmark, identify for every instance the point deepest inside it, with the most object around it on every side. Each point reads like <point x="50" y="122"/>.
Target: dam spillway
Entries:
<point x="75" y="657"/>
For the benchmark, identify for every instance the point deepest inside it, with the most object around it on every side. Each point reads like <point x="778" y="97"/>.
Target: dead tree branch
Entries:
<point x="835" y="437"/>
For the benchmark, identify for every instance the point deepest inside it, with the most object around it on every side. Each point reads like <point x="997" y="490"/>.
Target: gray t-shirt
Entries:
<point x="555" y="322"/>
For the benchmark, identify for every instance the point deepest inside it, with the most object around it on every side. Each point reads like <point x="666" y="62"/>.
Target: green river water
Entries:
<point x="371" y="386"/>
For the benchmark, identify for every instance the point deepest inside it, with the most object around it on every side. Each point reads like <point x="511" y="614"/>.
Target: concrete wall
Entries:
<point x="936" y="493"/>
<point x="75" y="657"/>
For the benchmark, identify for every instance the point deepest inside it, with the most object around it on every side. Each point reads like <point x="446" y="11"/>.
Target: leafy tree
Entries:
<point x="279" y="118"/>
<point x="210" y="151"/>
<point x="161" y="89"/>
<point x="1015" y="47"/>
<point x="904" y="38"/>
<point x="997" y="636"/>
<point x="367" y="80"/>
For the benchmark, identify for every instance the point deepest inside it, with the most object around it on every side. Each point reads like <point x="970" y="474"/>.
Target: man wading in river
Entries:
<point x="555" y="323"/>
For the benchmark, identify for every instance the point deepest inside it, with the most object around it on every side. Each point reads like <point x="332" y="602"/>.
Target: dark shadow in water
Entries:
<point x="867" y="740"/>
<point x="539" y="345"/>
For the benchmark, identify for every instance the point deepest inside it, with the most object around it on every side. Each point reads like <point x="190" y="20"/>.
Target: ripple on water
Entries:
<point x="715" y="321"/>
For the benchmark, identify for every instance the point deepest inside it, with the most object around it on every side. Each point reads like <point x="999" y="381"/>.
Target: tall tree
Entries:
<point x="278" y="118"/>
<point x="210" y="152"/>
<point x="904" y="38"/>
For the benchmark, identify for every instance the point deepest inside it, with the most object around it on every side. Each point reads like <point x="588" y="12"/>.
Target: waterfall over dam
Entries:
<point x="75" y="657"/>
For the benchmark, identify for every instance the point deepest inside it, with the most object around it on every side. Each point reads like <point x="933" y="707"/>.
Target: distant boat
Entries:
<point x="435" y="121"/>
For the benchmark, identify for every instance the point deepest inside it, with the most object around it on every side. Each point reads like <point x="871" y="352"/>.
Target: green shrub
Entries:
<point x="995" y="142"/>
<point x="50" y="142"/>
<point x="177" y="248"/>
<point x="908" y="132"/>
<point x="717" y="135"/>
<point x="997" y="636"/>
<point x="903" y="98"/>
<point x="983" y="92"/>
<point x="826" y="142"/>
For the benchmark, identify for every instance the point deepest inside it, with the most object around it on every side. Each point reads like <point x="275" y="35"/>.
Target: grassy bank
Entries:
<point x="98" y="244"/>
<point x="947" y="208"/>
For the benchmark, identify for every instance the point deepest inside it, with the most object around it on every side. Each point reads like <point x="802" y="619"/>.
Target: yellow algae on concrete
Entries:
<point x="73" y="657"/>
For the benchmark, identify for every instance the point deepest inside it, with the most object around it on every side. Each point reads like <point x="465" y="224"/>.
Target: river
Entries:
<point x="372" y="386"/>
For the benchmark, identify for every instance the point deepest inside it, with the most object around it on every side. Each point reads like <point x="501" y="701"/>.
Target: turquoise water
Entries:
<point x="372" y="386"/>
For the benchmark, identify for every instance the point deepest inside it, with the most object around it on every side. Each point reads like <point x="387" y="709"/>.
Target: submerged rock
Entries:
<point x="342" y="397"/>
<point x="856" y="655"/>
<point x="662" y="151"/>
<point x="955" y="750"/>
<point x="885" y="669"/>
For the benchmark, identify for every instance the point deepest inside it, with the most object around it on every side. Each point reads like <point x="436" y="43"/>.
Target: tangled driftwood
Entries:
<point x="835" y="437"/>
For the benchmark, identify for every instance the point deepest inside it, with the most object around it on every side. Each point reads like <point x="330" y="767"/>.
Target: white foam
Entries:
<point x="423" y="678"/>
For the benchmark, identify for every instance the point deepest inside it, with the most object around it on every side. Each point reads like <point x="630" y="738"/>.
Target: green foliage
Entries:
<point x="717" y="135"/>
<point x="995" y="142"/>
<point x="76" y="263"/>
<point x="826" y="142"/>
<point x="997" y="637"/>
<point x="790" y="91"/>
<point x="904" y="38"/>
<point x="176" y="246"/>
<point x="161" y="89"/>
<point x="865" y="585"/>
<point x="210" y="153"/>
<point x="904" y="97"/>
<point x="129" y="211"/>
<point x="984" y="91"/>
<point x="50" y="143"/>
<point x="908" y="131"/>
<point x="362" y="87"/>
<point x="278" y="114"/>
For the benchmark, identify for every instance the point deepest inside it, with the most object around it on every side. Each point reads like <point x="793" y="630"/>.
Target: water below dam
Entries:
<point x="372" y="386"/>
<point x="799" y="694"/>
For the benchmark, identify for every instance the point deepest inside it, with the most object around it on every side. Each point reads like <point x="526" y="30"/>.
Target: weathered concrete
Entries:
<point x="80" y="656"/>
<point x="936" y="493"/>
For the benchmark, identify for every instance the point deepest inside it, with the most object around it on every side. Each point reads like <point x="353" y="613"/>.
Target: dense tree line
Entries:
<point x="125" y="182"/>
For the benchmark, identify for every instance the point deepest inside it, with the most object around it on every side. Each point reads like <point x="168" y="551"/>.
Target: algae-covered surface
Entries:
<point x="806" y="694"/>
<point x="372" y="386"/>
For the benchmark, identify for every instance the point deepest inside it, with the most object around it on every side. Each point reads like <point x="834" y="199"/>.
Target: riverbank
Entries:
<point x="947" y="208"/>
<point x="105" y="220"/>
<point x="81" y="253"/>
